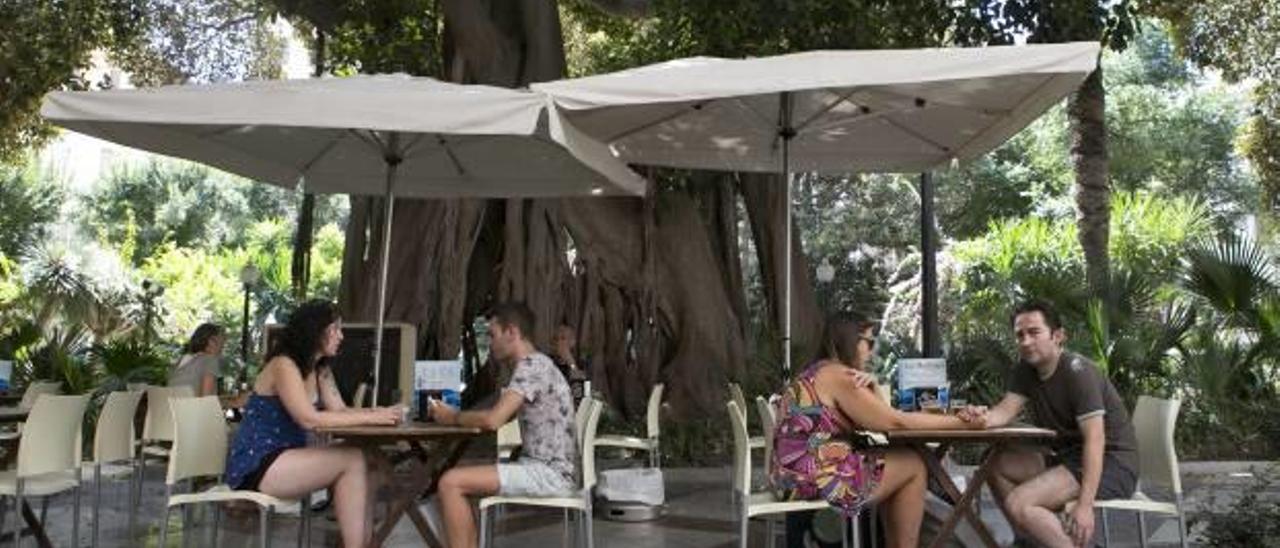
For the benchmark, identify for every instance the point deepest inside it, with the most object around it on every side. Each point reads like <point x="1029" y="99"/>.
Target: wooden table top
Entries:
<point x="410" y="430"/>
<point x="989" y="434"/>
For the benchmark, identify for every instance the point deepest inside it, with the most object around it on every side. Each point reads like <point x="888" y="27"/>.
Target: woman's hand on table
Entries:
<point x="389" y="416"/>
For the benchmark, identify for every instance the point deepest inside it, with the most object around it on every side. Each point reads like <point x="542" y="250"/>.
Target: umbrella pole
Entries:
<point x="393" y="162"/>
<point x="786" y="132"/>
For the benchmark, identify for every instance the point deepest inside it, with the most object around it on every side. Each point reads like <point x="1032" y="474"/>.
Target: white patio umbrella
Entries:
<point x="823" y="111"/>
<point x="388" y="135"/>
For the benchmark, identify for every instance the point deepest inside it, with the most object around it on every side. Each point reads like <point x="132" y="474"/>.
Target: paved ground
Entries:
<point x="698" y="514"/>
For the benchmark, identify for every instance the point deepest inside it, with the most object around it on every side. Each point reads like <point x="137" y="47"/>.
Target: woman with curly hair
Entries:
<point x="294" y="393"/>
<point x="814" y="455"/>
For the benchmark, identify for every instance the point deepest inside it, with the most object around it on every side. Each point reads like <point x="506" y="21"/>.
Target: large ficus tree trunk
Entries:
<point x="657" y="293"/>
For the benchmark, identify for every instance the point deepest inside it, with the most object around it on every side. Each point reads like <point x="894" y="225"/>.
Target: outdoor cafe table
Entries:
<point x="431" y="448"/>
<point x="933" y="444"/>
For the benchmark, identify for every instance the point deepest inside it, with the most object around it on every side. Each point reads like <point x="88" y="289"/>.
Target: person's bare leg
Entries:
<point x="298" y="472"/>
<point x="1034" y="505"/>
<point x="1013" y="466"/>
<point x="455" y="486"/>
<point x="901" y="495"/>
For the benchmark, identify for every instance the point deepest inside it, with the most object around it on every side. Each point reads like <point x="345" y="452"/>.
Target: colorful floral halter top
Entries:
<point x="814" y="457"/>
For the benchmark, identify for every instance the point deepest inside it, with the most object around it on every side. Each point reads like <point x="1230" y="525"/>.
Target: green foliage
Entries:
<point x="186" y="204"/>
<point x="1133" y="333"/>
<point x="129" y="360"/>
<point x="372" y="36"/>
<point x="1233" y="277"/>
<point x="45" y="46"/>
<point x="1239" y="38"/>
<point x="599" y="42"/>
<point x="202" y="41"/>
<point x="30" y="203"/>
<point x="57" y="356"/>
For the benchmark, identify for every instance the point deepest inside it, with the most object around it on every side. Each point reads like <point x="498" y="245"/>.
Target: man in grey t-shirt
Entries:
<point x="1094" y="456"/>
<point x="539" y="398"/>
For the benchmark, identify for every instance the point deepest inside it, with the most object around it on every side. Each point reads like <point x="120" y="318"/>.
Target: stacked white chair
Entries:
<point x="649" y="443"/>
<point x="735" y="392"/>
<point x="113" y="452"/>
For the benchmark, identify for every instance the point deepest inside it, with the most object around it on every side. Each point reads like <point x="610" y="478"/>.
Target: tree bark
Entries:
<point x="431" y="246"/>
<point x="765" y="196"/>
<point x="1086" y="109"/>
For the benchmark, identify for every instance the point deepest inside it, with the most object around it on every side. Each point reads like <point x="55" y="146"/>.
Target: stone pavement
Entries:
<point x="698" y="514"/>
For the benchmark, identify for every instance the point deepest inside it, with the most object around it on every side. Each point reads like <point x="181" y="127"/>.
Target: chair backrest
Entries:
<point x="741" y="453"/>
<point x="51" y="439"/>
<point x="580" y="415"/>
<point x="114" y="438"/>
<point x="37" y="389"/>
<point x="200" y="446"/>
<point x="1153" y="421"/>
<point x="735" y="393"/>
<point x="767" y="422"/>
<point x="587" y="442"/>
<point x="357" y="399"/>
<point x="158" y="425"/>
<point x="654" y="411"/>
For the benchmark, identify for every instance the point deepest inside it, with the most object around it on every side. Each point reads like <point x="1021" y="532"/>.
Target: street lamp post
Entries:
<point x="150" y="292"/>
<point x="825" y="273"/>
<point x="248" y="277"/>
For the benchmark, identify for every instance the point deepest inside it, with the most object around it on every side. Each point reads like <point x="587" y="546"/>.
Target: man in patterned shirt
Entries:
<point x="539" y="397"/>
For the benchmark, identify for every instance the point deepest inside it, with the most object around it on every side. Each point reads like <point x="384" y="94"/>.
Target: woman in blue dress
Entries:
<point x="269" y="453"/>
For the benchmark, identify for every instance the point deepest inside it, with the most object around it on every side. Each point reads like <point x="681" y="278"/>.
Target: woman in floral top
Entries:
<point x="816" y="456"/>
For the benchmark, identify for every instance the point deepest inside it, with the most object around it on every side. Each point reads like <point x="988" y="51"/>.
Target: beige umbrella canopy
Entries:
<point x="390" y="135"/>
<point x="824" y="111"/>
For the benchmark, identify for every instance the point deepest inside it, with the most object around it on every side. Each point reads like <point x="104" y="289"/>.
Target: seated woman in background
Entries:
<point x="269" y="453"/>
<point x="201" y="360"/>
<point x="813" y="454"/>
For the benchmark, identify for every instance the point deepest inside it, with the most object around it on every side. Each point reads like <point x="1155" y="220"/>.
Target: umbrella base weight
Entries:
<point x="628" y="511"/>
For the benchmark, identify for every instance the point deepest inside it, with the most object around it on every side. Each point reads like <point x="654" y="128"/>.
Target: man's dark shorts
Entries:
<point x="1118" y="481"/>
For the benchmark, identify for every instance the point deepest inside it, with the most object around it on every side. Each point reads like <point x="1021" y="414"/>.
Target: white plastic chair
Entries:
<point x="37" y="389"/>
<point x="49" y="461"/>
<point x="767" y="423"/>
<point x="1154" y="420"/>
<point x="199" y="451"/>
<point x="158" y="427"/>
<point x="748" y="505"/>
<point x="33" y="392"/>
<point x="735" y="392"/>
<point x="581" y="502"/>
<point x="114" y="441"/>
<point x="649" y="443"/>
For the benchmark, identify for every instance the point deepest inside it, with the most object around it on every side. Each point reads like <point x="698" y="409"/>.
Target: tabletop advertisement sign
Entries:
<point x="436" y="379"/>
<point x="923" y="385"/>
